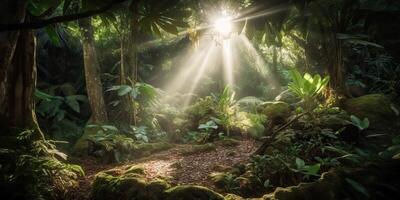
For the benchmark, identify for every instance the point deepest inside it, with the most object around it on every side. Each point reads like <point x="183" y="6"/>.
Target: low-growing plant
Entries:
<point x="307" y="87"/>
<point x="34" y="170"/>
<point x="360" y="124"/>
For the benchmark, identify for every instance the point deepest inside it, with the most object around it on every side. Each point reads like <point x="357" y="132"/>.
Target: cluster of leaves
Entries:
<point x="34" y="171"/>
<point x="213" y="115"/>
<point x="56" y="106"/>
<point x="307" y="87"/>
<point x="59" y="115"/>
<point x="114" y="146"/>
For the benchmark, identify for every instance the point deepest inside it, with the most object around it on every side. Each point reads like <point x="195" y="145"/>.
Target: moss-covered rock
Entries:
<point x="288" y="97"/>
<point x="378" y="108"/>
<point x="135" y="169"/>
<point x="276" y="111"/>
<point x="81" y="146"/>
<point x="233" y="197"/>
<point x="201" y="148"/>
<point x="192" y="192"/>
<point x="149" y="148"/>
<point x="327" y="188"/>
<point x="126" y="187"/>
<point x="229" y="142"/>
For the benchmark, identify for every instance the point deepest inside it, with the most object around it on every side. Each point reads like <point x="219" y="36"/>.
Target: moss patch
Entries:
<point x="276" y="111"/>
<point x="229" y="142"/>
<point x="192" y="193"/>
<point x="376" y="107"/>
<point x="199" y="149"/>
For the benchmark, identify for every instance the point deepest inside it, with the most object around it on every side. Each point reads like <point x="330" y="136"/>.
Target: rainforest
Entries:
<point x="199" y="99"/>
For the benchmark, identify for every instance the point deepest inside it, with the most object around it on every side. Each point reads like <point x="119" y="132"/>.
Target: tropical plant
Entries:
<point x="225" y="109"/>
<point x="142" y="92"/>
<point x="141" y="133"/>
<point x="360" y="124"/>
<point x="34" y="170"/>
<point x="56" y="106"/>
<point x="307" y="87"/>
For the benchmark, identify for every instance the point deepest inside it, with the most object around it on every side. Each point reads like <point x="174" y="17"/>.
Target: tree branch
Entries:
<point x="54" y="20"/>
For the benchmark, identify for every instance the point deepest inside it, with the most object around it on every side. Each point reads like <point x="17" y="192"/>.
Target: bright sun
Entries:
<point x="223" y="25"/>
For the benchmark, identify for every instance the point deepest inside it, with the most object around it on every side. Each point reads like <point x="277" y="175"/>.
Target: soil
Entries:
<point x="172" y="165"/>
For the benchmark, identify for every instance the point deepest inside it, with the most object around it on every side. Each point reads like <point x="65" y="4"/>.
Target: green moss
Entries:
<point x="376" y="107"/>
<point x="275" y="110"/>
<point x="199" y="149"/>
<point x="233" y="197"/>
<point x="219" y="179"/>
<point x="135" y="169"/>
<point x="192" y="192"/>
<point x="81" y="146"/>
<point x="145" y="149"/>
<point x="126" y="187"/>
<point x="229" y="142"/>
<point x="327" y="188"/>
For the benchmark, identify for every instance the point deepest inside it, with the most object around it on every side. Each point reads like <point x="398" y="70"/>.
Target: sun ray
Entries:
<point x="259" y="62"/>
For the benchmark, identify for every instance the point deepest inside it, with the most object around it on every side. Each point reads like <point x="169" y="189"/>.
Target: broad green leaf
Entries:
<point x="300" y="163"/>
<point x="124" y="89"/>
<point x="358" y="187"/>
<point x="73" y="103"/>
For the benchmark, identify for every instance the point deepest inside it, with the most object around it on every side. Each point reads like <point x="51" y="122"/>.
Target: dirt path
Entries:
<point x="173" y="165"/>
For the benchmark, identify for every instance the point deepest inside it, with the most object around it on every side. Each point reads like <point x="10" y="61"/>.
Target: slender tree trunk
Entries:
<point x="92" y="74"/>
<point x="17" y="73"/>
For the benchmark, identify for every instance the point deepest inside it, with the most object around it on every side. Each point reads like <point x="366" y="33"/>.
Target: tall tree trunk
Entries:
<point x="92" y="74"/>
<point x="17" y="73"/>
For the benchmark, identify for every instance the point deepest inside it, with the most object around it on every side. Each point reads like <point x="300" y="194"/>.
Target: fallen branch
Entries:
<point x="268" y="141"/>
<point x="54" y="20"/>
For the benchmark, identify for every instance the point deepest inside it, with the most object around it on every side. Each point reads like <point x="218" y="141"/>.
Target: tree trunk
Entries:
<point x="17" y="73"/>
<point x="92" y="74"/>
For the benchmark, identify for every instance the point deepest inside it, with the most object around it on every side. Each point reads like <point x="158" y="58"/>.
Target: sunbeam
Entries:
<point x="259" y="62"/>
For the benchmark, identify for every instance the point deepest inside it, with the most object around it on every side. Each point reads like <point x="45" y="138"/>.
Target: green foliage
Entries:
<point x="142" y="92"/>
<point x="307" y="87"/>
<point x="141" y="133"/>
<point x="34" y="171"/>
<point x="56" y="106"/>
<point x="308" y="170"/>
<point x="208" y="126"/>
<point x="360" y="124"/>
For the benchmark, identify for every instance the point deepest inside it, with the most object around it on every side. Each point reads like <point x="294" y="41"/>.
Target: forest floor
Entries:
<point x="173" y="165"/>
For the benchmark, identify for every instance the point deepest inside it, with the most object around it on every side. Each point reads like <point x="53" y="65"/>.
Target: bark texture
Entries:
<point x="17" y="72"/>
<point x="92" y="73"/>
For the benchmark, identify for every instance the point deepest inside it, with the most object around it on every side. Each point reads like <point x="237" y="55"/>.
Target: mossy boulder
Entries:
<point x="192" y="192"/>
<point x="276" y="111"/>
<point x="233" y="197"/>
<point x="327" y="188"/>
<point x="378" y="108"/>
<point x="334" y="121"/>
<point x="81" y="146"/>
<point x="127" y="186"/>
<point x="201" y="148"/>
<point x="288" y="97"/>
<point x="144" y="149"/>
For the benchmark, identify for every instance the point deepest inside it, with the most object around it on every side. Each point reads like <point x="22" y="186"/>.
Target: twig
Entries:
<point x="267" y="142"/>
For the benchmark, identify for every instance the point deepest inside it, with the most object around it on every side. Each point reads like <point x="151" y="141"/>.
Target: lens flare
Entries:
<point x="223" y="25"/>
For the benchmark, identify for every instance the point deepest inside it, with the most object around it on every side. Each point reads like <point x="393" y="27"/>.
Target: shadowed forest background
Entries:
<point x="211" y="99"/>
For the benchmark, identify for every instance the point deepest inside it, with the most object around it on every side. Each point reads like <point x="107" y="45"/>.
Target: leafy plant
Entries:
<point x="141" y="133"/>
<point x="307" y="87"/>
<point x="34" y="170"/>
<point x="360" y="124"/>
<point x="225" y="109"/>
<point x="308" y="170"/>
<point x="142" y="92"/>
<point x="208" y="126"/>
<point x="56" y="106"/>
